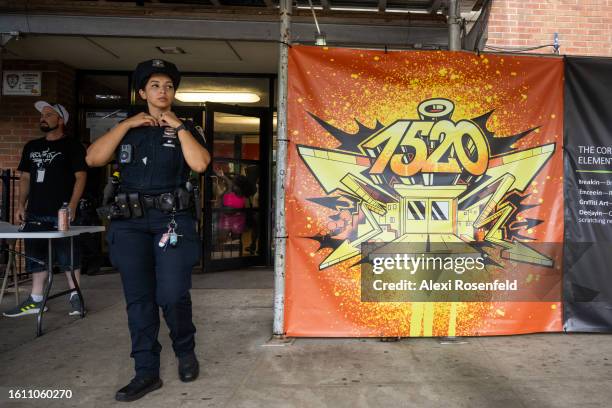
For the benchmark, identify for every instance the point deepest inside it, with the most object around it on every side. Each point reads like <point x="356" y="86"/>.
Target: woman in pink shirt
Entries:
<point x="233" y="224"/>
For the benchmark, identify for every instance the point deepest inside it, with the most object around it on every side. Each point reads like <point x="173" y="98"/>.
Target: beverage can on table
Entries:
<point x="63" y="218"/>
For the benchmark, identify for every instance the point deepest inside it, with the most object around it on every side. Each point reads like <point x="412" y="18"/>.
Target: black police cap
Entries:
<point x="145" y="69"/>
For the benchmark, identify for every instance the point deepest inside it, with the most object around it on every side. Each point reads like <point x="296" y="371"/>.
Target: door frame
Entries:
<point x="265" y="188"/>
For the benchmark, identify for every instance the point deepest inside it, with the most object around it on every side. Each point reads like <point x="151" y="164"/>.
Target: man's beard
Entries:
<point x="44" y="127"/>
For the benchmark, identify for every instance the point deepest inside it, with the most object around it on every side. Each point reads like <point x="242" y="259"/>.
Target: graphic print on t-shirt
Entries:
<point x="41" y="159"/>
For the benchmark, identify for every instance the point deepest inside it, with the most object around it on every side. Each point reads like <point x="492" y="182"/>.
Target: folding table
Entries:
<point x="9" y="231"/>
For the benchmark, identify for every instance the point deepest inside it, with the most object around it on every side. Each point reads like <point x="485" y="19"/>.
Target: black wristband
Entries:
<point x="181" y="127"/>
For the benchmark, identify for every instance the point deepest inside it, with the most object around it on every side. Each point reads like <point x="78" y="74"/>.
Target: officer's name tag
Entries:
<point x="40" y="175"/>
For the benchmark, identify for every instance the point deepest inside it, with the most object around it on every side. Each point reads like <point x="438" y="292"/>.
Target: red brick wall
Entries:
<point x="18" y="117"/>
<point x="584" y="26"/>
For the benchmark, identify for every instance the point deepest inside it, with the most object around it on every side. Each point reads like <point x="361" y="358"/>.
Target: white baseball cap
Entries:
<point x="61" y="111"/>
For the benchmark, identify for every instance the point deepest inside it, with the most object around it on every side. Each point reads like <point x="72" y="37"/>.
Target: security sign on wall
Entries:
<point x="23" y="83"/>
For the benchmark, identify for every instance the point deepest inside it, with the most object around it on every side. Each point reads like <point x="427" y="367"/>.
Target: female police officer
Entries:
<point x="152" y="237"/>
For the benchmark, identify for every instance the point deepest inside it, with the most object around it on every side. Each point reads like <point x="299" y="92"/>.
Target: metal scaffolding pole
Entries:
<point x="454" y="27"/>
<point x="280" y="237"/>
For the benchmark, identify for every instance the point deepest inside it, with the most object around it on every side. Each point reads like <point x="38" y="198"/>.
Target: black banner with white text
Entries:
<point x="588" y="195"/>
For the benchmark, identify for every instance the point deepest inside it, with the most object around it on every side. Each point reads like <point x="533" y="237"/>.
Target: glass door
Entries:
<point x="237" y="187"/>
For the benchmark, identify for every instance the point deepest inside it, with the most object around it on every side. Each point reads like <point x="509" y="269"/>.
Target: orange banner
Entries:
<point x="397" y="159"/>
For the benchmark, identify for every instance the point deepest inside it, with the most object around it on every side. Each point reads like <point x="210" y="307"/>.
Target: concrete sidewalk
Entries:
<point x="233" y="313"/>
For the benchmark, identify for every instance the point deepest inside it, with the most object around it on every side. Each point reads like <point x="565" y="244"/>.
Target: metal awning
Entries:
<point x="392" y="23"/>
<point x="234" y="35"/>
<point x="371" y="6"/>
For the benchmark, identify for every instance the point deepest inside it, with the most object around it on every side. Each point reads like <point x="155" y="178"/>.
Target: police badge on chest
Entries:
<point x="169" y="137"/>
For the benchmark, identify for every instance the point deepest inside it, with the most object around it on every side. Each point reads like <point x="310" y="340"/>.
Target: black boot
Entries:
<point x="188" y="368"/>
<point x="138" y="388"/>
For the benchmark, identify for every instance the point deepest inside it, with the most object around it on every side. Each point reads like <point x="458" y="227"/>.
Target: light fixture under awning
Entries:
<point x="225" y="97"/>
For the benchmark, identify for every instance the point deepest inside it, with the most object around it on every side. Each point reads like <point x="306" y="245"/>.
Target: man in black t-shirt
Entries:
<point x="53" y="172"/>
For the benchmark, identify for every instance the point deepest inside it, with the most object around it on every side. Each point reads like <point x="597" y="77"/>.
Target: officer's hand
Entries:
<point x="142" y="119"/>
<point x="170" y="119"/>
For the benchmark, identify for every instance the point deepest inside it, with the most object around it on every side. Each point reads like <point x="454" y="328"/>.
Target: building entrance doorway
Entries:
<point x="237" y="203"/>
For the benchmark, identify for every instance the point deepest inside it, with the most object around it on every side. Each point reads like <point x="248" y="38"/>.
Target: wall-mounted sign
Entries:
<point x="25" y="83"/>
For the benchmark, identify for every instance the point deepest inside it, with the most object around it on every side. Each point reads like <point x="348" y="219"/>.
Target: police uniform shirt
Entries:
<point x="157" y="164"/>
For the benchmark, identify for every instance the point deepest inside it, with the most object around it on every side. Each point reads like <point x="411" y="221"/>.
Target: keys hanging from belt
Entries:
<point x="170" y="237"/>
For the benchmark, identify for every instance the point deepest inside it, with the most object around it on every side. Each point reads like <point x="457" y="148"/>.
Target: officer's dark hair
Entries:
<point x="145" y="81"/>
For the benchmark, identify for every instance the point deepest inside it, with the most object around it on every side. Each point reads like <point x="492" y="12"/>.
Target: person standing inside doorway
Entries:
<point x="53" y="172"/>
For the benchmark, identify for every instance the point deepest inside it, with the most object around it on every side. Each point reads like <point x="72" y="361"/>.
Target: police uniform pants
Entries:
<point x="152" y="278"/>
